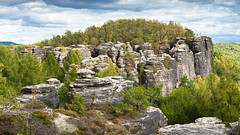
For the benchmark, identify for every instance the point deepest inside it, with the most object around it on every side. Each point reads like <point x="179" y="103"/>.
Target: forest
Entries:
<point x="229" y="50"/>
<point x="217" y="95"/>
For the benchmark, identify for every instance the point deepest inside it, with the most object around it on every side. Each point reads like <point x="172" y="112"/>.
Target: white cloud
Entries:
<point x="35" y="21"/>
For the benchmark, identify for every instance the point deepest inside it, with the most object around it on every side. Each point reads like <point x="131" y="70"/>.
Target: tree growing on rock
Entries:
<point x="73" y="58"/>
<point x="52" y="69"/>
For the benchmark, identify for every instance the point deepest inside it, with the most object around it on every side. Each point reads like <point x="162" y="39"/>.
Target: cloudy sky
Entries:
<point x="30" y="21"/>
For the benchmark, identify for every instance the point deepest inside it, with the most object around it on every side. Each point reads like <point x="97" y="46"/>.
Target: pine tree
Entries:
<point x="73" y="58"/>
<point x="52" y="68"/>
<point x="30" y="70"/>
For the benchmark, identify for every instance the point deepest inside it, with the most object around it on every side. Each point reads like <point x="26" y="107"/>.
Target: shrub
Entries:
<point x="111" y="70"/>
<point x="66" y="112"/>
<point x="135" y="100"/>
<point x="42" y="116"/>
<point x="34" y="104"/>
<point x="78" y="104"/>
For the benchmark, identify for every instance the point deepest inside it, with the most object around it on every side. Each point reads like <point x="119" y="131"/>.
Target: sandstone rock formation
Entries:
<point x="98" y="91"/>
<point x="166" y="64"/>
<point x="202" y="126"/>
<point x="46" y="93"/>
<point x="149" y="122"/>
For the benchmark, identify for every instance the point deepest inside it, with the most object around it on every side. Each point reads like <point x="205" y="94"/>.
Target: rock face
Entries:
<point x="46" y="93"/>
<point x="67" y="124"/>
<point x="202" y="48"/>
<point x="98" y="91"/>
<point x="202" y="126"/>
<point x="149" y="122"/>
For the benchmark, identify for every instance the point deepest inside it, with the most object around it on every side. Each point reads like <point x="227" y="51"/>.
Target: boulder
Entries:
<point x="67" y="124"/>
<point x="46" y="93"/>
<point x="147" y="123"/>
<point x="99" y="91"/>
<point x="85" y="73"/>
<point x="202" y="126"/>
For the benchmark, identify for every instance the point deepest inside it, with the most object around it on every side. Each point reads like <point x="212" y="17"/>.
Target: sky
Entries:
<point x="31" y="21"/>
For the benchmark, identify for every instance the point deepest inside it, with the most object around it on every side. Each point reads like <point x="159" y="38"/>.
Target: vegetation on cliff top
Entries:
<point x="136" y="31"/>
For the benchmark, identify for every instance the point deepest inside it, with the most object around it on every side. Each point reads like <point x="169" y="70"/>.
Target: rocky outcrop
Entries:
<point x="96" y="64"/>
<point x="165" y="63"/>
<point x="46" y="93"/>
<point x="202" y="48"/>
<point x="202" y="126"/>
<point x="98" y="91"/>
<point x="67" y="124"/>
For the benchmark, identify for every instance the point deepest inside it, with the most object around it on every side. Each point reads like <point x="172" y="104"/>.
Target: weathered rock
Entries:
<point x="84" y="51"/>
<point x="102" y="49"/>
<point x="85" y="73"/>
<point x="147" y="123"/>
<point x="202" y="48"/>
<point x="36" y="52"/>
<point x="54" y="81"/>
<point x="67" y="124"/>
<point x="96" y="64"/>
<point x="203" y="126"/>
<point x="234" y="127"/>
<point x="46" y="93"/>
<point x="99" y="91"/>
<point x="161" y="69"/>
<point x="239" y="126"/>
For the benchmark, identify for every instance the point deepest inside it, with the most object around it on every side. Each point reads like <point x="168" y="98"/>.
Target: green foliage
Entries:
<point x="34" y="104"/>
<point x="66" y="112"/>
<point x="224" y="67"/>
<point x="72" y="75"/>
<point x="8" y="104"/>
<point x="44" y="117"/>
<point x="30" y="70"/>
<point x="189" y="34"/>
<point x="230" y="51"/>
<point x="52" y="68"/>
<point x="136" y="99"/>
<point x="63" y="50"/>
<point x="111" y="70"/>
<point x="181" y="105"/>
<point x="78" y="104"/>
<point x="212" y="96"/>
<point x="13" y="124"/>
<point x="73" y="58"/>
<point x="140" y="75"/>
<point x="136" y="31"/>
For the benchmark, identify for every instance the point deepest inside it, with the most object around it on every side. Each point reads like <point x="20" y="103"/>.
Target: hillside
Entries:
<point x="229" y="50"/>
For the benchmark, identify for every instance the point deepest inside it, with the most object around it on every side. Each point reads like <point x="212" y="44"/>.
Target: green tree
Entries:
<point x="78" y="104"/>
<point x="30" y="70"/>
<point x="72" y="75"/>
<point x="111" y="70"/>
<point x="73" y="58"/>
<point x="52" y="68"/>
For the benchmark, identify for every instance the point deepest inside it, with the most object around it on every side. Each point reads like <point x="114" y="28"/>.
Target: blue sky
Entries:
<point x="30" y="21"/>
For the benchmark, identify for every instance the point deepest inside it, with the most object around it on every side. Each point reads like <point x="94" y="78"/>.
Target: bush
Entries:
<point x="111" y="70"/>
<point x="66" y="112"/>
<point x="135" y="100"/>
<point x="78" y="104"/>
<point x="42" y="116"/>
<point x="34" y="104"/>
